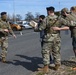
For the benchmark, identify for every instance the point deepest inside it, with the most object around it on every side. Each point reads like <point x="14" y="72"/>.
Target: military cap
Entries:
<point x="50" y="8"/>
<point x="65" y="10"/>
<point x="42" y="16"/>
<point x="3" y="13"/>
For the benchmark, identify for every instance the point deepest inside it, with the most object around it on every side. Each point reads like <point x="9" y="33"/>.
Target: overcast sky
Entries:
<point x="23" y="6"/>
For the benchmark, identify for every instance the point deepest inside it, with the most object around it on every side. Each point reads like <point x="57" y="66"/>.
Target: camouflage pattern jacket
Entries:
<point x="5" y="25"/>
<point x="48" y="23"/>
<point x="72" y="28"/>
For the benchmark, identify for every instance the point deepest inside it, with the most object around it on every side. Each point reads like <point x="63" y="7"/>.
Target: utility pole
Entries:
<point x="14" y="18"/>
<point x="59" y="5"/>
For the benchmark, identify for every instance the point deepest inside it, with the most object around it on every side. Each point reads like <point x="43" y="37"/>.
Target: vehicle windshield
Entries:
<point x="15" y="23"/>
<point x="19" y="22"/>
<point x="12" y="22"/>
<point x="26" y="23"/>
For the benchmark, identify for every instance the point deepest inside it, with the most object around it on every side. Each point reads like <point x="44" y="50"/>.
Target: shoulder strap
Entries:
<point x="56" y="20"/>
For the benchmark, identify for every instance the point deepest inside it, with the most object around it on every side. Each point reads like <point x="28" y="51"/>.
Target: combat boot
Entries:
<point x="45" y="69"/>
<point x="3" y="59"/>
<point x="57" y="66"/>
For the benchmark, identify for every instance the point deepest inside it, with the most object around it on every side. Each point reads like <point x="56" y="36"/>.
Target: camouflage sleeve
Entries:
<point x="72" y="20"/>
<point x="43" y="25"/>
<point x="0" y="26"/>
<point x="67" y="22"/>
<point x="1" y="29"/>
<point x="10" y="29"/>
<point x="64" y="21"/>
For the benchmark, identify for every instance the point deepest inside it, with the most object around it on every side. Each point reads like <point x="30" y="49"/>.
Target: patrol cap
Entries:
<point x="65" y="10"/>
<point x="50" y="8"/>
<point x="3" y="13"/>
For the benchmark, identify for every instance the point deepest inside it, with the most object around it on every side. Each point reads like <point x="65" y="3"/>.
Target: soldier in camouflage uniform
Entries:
<point x="73" y="29"/>
<point x="52" y="42"/>
<point x="71" y="17"/>
<point x="42" y="33"/>
<point x="5" y="29"/>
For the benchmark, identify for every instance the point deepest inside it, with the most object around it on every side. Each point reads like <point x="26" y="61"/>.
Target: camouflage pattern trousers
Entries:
<point x="4" y="46"/>
<point x="52" y="47"/>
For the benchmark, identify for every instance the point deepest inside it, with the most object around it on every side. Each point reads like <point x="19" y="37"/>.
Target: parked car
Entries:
<point x="27" y="26"/>
<point x="24" y="24"/>
<point x="15" y="26"/>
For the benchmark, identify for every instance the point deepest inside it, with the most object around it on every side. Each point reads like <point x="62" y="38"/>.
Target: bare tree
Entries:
<point x="13" y="18"/>
<point x="18" y="17"/>
<point x="29" y="16"/>
<point x="8" y="17"/>
<point x="37" y="16"/>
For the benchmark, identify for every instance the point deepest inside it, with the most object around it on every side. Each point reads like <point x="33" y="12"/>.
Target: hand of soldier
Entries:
<point x="55" y="28"/>
<point x="65" y="13"/>
<point x="6" y="30"/>
<point x="14" y="36"/>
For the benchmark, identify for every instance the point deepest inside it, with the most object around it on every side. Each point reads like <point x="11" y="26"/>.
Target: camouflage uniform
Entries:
<point x="73" y="35"/>
<point x="4" y="37"/>
<point x="51" y="40"/>
<point x="71" y="18"/>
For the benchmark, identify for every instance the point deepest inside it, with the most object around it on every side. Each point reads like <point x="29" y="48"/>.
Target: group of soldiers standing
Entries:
<point x="49" y="28"/>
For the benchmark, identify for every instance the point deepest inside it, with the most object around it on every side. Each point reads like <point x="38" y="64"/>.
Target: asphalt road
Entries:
<point x="24" y="53"/>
